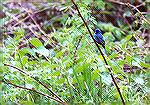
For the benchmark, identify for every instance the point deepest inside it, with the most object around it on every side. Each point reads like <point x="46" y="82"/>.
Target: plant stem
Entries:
<point x="110" y="71"/>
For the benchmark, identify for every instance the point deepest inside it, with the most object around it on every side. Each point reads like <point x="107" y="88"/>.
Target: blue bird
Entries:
<point x="98" y="37"/>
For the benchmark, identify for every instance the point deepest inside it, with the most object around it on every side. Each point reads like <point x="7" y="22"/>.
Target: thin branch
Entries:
<point x="8" y="82"/>
<point x="133" y="7"/>
<point x="40" y="29"/>
<point x="27" y="17"/>
<point x="75" y="53"/>
<point x="36" y="23"/>
<point x="20" y="70"/>
<point x="29" y="27"/>
<point x="110" y="71"/>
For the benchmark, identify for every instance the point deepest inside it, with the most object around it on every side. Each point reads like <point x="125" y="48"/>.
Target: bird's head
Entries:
<point x="98" y="31"/>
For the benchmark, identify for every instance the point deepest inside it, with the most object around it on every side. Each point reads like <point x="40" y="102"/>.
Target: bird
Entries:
<point x="98" y="37"/>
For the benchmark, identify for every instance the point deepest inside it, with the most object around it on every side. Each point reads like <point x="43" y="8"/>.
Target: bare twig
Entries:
<point x="133" y="7"/>
<point x="27" y="17"/>
<point x="8" y="82"/>
<point x="30" y="28"/>
<point x="20" y="70"/>
<point x="75" y="53"/>
<point x="36" y="23"/>
<point x="40" y="29"/>
<point x="110" y="71"/>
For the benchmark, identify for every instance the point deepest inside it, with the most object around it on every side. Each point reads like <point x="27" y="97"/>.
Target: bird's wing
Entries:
<point x="96" y="39"/>
<point x="100" y="36"/>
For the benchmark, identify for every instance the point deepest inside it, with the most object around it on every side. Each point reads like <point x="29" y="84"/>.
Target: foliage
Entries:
<point x="66" y="59"/>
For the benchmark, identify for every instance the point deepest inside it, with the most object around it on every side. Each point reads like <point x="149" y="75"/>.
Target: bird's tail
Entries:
<point x="106" y="51"/>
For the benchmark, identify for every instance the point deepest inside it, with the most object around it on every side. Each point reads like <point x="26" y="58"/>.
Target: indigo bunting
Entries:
<point x="98" y="37"/>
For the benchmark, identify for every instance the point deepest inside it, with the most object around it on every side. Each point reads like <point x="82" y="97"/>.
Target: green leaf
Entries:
<point x="136" y="62"/>
<point x="127" y="38"/>
<point x="80" y="68"/>
<point x="59" y="54"/>
<point x="95" y="74"/>
<point x="106" y="79"/>
<point x="118" y="34"/>
<point x="29" y="86"/>
<point x="146" y="65"/>
<point x="42" y="50"/>
<point x="87" y="1"/>
<point x="19" y="33"/>
<point x="116" y="68"/>
<point x="23" y="51"/>
<point x="45" y="63"/>
<point x="114" y="55"/>
<point x="60" y="81"/>
<point x="147" y="58"/>
<point x="100" y="4"/>
<point x="109" y="36"/>
<point x="139" y="80"/>
<point x="24" y="60"/>
<point x="129" y="58"/>
<point x="29" y="97"/>
<point x="36" y="42"/>
<point x="26" y="102"/>
<point x="53" y="66"/>
<point x="56" y="73"/>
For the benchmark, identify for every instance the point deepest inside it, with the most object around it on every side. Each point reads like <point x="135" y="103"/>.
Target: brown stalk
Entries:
<point x="23" y="72"/>
<point x="110" y="71"/>
<point x="132" y="6"/>
<point x="75" y="53"/>
<point x="8" y="82"/>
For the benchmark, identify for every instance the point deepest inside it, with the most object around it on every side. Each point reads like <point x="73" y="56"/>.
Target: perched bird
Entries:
<point x="98" y="37"/>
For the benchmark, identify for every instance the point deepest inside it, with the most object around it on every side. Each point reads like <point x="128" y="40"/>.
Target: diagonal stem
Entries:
<point x="23" y="72"/>
<point x="8" y="82"/>
<point x="110" y="71"/>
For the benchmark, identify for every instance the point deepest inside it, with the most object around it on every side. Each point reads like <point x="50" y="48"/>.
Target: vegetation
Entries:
<point x="49" y="56"/>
